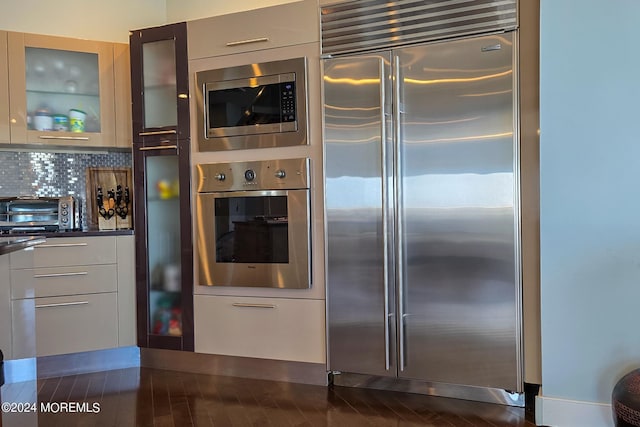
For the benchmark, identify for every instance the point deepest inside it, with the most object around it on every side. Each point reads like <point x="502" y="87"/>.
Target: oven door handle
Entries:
<point x="247" y="193"/>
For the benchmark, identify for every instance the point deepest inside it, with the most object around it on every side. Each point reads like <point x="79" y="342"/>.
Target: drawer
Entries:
<point x="64" y="325"/>
<point x="58" y="281"/>
<point x="60" y="252"/>
<point x="267" y="328"/>
<point x="258" y="29"/>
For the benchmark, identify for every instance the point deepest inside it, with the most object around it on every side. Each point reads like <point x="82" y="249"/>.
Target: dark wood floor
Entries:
<point x="149" y="397"/>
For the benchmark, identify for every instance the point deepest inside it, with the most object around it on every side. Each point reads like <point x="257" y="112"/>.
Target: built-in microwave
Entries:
<point x="252" y="106"/>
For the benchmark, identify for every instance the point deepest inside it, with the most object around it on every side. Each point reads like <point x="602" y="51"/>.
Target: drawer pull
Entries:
<point x="63" y="304"/>
<point x="241" y="42"/>
<point x="79" y="273"/>
<point x="159" y="147"/>
<point x="66" y="138"/>
<point x="242" y="304"/>
<point x="158" y="132"/>
<point x="62" y="245"/>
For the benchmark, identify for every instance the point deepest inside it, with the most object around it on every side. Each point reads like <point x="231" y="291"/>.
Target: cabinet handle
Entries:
<point x="70" y="138"/>
<point x="240" y="42"/>
<point x="63" y="304"/>
<point x="158" y="132"/>
<point x="385" y="215"/>
<point x="244" y="304"/>
<point x="79" y="273"/>
<point x="62" y="245"/>
<point x="159" y="147"/>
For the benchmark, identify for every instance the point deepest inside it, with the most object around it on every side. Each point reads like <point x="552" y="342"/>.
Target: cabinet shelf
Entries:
<point x="155" y="198"/>
<point x="160" y="87"/>
<point x="59" y="93"/>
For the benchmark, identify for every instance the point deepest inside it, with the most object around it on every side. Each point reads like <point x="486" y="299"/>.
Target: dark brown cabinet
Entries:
<point x="160" y="83"/>
<point x="161" y="147"/>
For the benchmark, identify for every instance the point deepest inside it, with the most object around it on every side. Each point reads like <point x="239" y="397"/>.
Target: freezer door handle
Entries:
<point x="385" y="215"/>
<point x="397" y="101"/>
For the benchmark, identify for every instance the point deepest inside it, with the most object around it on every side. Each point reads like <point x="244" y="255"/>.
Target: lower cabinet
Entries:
<point x="71" y="295"/>
<point x="71" y="280"/>
<point x="5" y="308"/>
<point x="266" y="328"/>
<point x="67" y="324"/>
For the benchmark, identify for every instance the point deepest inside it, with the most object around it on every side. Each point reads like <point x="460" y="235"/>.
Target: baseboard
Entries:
<point x="404" y="385"/>
<point x="570" y="413"/>
<point x="232" y="366"/>
<point x="70" y="364"/>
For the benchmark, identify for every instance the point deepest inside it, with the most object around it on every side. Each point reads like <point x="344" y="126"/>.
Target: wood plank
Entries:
<point x="151" y="397"/>
<point x="107" y="179"/>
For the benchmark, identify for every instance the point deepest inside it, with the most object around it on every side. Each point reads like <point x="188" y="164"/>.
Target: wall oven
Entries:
<point x="252" y="106"/>
<point x="253" y="224"/>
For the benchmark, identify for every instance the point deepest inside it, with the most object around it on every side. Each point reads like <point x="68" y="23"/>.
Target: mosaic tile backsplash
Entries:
<point x="47" y="174"/>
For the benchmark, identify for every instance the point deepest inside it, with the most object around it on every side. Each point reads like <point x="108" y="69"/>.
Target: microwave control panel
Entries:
<point x="288" y="104"/>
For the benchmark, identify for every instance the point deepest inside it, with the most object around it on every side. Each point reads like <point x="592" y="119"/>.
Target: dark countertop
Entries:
<point x="88" y="233"/>
<point x="78" y="233"/>
<point x="12" y="244"/>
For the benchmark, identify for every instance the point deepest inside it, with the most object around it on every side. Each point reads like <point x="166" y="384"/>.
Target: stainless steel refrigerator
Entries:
<point x="422" y="217"/>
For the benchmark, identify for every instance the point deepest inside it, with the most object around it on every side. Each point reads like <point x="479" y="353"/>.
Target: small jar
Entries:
<point x="60" y="122"/>
<point x="76" y="120"/>
<point x="43" y="121"/>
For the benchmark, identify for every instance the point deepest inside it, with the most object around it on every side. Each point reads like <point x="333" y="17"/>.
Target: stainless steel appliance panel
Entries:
<point x="357" y="26"/>
<point x="459" y="280"/>
<point x="293" y="273"/>
<point x="268" y="175"/>
<point x="361" y="323"/>
<point x="256" y="135"/>
<point x="253" y="224"/>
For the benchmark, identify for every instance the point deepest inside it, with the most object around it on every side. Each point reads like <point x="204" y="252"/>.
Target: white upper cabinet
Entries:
<point x="62" y="91"/>
<point x="283" y="25"/>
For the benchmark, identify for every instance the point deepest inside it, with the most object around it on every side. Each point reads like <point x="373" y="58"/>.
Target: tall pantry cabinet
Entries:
<point x="161" y="146"/>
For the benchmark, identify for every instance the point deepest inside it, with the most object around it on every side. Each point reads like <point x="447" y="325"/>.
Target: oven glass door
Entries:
<point x="254" y="238"/>
<point x="251" y="106"/>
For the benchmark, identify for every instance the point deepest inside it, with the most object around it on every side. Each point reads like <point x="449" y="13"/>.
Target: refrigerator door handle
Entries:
<point x="385" y="216"/>
<point x="396" y="208"/>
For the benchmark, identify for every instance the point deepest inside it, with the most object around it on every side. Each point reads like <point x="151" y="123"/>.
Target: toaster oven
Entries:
<point x="38" y="214"/>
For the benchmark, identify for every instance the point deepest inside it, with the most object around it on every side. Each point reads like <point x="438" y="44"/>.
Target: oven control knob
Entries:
<point x="249" y="175"/>
<point x="280" y="173"/>
<point x="220" y="177"/>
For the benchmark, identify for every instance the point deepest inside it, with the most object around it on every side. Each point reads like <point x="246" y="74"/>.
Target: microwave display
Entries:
<point x="247" y="106"/>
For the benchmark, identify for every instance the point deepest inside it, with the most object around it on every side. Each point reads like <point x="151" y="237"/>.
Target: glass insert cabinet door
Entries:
<point x="163" y="245"/>
<point x="61" y="90"/>
<point x="160" y="83"/>
<point x="159" y="80"/>
<point x="4" y="91"/>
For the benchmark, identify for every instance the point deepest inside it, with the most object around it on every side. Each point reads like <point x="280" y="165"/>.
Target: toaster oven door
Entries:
<point x="31" y="214"/>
